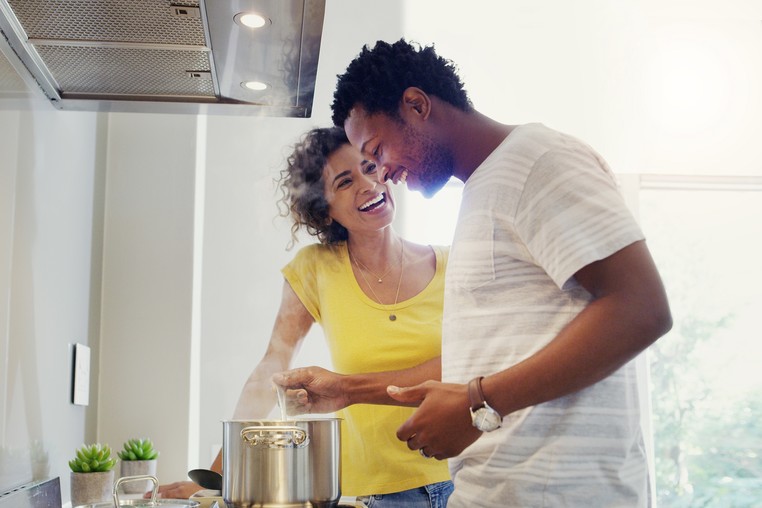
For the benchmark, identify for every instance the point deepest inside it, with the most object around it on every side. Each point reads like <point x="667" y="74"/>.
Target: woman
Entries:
<point x="378" y="299"/>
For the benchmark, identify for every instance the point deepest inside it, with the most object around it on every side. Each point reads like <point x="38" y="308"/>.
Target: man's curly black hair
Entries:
<point x="376" y="78"/>
<point x="302" y="186"/>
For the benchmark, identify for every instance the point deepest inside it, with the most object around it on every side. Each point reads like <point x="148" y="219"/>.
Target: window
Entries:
<point x="706" y="374"/>
<point x="430" y="220"/>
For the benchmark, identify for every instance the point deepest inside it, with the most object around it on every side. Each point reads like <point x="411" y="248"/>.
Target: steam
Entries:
<point x="260" y="396"/>
<point x="281" y="391"/>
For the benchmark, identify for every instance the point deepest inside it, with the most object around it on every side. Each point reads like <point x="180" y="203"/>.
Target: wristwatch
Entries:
<point x="483" y="416"/>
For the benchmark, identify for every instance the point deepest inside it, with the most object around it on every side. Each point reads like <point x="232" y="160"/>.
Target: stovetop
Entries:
<point x="41" y="494"/>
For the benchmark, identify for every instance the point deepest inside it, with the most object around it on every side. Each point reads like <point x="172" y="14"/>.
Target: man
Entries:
<point x="550" y="292"/>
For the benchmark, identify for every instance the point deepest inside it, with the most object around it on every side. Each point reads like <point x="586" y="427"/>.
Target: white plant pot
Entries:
<point x="137" y="468"/>
<point x="91" y="488"/>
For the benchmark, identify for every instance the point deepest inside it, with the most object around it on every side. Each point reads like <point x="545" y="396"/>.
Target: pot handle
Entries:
<point x="125" y="479"/>
<point x="275" y="436"/>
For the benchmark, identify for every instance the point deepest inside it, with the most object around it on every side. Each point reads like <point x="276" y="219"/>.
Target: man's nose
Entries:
<point x="382" y="175"/>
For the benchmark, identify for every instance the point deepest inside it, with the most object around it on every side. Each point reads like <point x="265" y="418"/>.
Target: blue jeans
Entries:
<point x="428" y="496"/>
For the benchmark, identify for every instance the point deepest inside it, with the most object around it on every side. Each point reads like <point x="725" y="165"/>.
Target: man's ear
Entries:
<point x="415" y="102"/>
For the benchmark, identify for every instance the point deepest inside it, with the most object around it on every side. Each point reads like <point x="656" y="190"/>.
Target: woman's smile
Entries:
<point x="373" y="203"/>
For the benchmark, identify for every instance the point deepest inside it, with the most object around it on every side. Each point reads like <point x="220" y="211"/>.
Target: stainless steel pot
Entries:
<point x="154" y="502"/>
<point x="281" y="464"/>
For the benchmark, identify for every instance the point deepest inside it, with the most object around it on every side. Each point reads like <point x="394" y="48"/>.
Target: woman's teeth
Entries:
<point x="371" y="203"/>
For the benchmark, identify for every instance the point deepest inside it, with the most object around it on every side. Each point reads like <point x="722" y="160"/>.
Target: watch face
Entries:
<point x="486" y="419"/>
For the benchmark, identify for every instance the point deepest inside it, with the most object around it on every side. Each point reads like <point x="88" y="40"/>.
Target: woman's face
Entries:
<point x="356" y="199"/>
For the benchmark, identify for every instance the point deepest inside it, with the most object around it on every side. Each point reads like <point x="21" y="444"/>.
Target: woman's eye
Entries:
<point x="370" y="168"/>
<point x="344" y="183"/>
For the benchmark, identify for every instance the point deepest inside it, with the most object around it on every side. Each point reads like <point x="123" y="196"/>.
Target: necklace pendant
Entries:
<point x="392" y="317"/>
<point x="380" y="281"/>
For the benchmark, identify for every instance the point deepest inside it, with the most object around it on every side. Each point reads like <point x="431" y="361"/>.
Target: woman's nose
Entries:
<point x="369" y="184"/>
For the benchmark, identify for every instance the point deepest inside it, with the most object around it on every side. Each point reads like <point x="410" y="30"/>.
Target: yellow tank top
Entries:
<point x="361" y="338"/>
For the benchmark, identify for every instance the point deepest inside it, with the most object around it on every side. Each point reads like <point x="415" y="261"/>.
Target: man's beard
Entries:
<point x="435" y="162"/>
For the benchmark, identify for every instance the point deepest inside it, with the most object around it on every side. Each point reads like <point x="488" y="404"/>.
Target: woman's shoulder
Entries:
<point x="419" y="247"/>
<point x="318" y="253"/>
<point x="444" y="249"/>
<point x="318" y="248"/>
<point x="442" y="252"/>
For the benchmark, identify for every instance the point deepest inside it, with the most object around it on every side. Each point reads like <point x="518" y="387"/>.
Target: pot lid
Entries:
<point x="163" y="503"/>
<point x="147" y="503"/>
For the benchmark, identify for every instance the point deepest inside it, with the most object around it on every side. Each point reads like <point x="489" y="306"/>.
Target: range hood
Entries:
<point x="175" y="56"/>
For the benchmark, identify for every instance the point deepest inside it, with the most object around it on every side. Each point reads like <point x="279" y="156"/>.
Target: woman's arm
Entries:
<point x="317" y="390"/>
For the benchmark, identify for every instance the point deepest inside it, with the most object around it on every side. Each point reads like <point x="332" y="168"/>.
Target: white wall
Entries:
<point x="49" y="279"/>
<point x="656" y="86"/>
<point x="147" y="284"/>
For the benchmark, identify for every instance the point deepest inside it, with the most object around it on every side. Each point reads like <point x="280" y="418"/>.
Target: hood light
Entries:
<point x="251" y="20"/>
<point x="254" y="85"/>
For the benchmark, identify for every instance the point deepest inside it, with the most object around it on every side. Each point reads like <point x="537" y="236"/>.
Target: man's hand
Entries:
<point x="441" y="426"/>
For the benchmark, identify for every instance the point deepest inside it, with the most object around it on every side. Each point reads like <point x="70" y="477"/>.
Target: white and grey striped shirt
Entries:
<point x="539" y="208"/>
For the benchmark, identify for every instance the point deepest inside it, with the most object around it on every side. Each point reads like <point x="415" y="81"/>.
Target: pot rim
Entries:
<point x="271" y="420"/>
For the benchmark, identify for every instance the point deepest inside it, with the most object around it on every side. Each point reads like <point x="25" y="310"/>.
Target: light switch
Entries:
<point x="81" y="389"/>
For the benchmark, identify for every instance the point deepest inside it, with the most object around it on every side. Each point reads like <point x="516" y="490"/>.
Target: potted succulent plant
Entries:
<point x="138" y="458"/>
<point x="92" y="475"/>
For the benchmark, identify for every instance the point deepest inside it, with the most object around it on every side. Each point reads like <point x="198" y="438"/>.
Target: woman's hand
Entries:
<point x="176" y="490"/>
<point x="312" y="390"/>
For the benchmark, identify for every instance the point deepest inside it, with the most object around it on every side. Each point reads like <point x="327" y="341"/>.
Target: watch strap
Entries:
<point x="475" y="393"/>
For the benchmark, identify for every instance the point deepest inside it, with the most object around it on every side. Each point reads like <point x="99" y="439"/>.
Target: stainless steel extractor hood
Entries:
<point x="184" y="56"/>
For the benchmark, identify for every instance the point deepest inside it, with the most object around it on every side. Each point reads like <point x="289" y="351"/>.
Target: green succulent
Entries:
<point x="138" y="449"/>
<point x="92" y="459"/>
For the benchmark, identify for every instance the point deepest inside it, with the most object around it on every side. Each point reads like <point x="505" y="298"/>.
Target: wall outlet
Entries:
<point x="81" y="381"/>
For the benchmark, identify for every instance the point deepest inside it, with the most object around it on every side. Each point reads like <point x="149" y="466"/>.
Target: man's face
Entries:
<point x="402" y="150"/>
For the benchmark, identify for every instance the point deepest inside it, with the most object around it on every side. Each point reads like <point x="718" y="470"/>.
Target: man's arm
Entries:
<point x="628" y="313"/>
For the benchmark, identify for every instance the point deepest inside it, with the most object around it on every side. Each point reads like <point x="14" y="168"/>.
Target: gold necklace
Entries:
<point x="392" y="315"/>
<point x="362" y="266"/>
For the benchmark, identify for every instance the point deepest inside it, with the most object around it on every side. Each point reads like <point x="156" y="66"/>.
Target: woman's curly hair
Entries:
<point x="302" y="187"/>
<point x="376" y="78"/>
